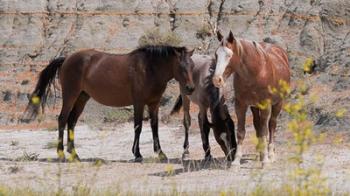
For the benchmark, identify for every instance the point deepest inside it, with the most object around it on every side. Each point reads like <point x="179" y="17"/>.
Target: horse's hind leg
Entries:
<point x="187" y="124"/>
<point x="72" y="120"/>
<point x="256" y="118"/>
<point x="276" y="109"/>
<point x="68" y="103"/>
<point x="153" y="113"/>
<point x="138" y="117"/>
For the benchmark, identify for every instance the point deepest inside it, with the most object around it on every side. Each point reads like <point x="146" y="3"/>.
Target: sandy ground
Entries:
<point x="113" y="144"/>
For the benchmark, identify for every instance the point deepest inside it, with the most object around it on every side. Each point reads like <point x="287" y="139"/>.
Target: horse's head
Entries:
<point x="183" y="70"/>
<point x="224" y="130"/>
<point x="227" y="55"/>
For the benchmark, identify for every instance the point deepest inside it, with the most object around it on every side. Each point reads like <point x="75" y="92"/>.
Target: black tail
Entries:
<point x="177" y="106"/>
<point x="39" y="96"/>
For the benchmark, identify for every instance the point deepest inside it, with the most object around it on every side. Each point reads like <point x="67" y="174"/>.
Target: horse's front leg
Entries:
<point x="241" y="109"/>
<point x="262" y="134"/>
<point x="153" y="113"/>
<point x="138" y="117"/>
<point x="187" y="124"/>
<point x="204" y="128"/>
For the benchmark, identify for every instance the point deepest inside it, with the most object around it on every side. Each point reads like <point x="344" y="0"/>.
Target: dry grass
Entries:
<point x="28" y="157"/>
<point x="156" y="37"/>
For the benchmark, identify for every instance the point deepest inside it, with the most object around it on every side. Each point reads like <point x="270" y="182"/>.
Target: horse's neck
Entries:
<point x="252" y="61"/>
<point x="162" y="72"/>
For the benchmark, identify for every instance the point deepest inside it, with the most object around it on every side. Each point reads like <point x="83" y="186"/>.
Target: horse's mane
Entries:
<point x="210" y="88"/>
<point x="159" y="50"/>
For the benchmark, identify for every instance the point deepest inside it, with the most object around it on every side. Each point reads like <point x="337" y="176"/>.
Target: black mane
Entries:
<point x="159" y="50"/>
<point x="213" y="92"/>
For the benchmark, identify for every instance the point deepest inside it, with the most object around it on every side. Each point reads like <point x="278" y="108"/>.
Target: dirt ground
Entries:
<point x="112" y="145"/>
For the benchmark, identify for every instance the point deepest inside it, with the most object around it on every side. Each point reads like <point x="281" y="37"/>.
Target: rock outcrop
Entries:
<point x="35" y="31"/>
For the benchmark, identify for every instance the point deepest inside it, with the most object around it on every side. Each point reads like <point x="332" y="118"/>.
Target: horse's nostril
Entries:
<point x="190" y="88"/>
<point x="218" y="81"/>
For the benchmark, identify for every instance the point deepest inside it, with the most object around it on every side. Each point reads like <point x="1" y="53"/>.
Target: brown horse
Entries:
<point x="138" y="78"/>
<point x="258" y="68"/>
<point x="206" y="96"/>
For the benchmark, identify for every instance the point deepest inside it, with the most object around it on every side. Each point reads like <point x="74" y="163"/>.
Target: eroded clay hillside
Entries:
<point x="34" y="31"/>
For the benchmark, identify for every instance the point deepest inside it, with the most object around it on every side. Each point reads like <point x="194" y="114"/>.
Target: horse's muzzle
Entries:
<point x="218" y="81"/>
<point x="189" y="89"/>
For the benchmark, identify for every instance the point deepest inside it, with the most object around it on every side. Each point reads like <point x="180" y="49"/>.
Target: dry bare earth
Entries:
<point x="113" y="145"/>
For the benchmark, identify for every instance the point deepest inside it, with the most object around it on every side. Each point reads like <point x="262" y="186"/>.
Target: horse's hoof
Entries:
<point x="228" y="164"/>
<point x="266" y="162"/>
<point x="272" y="157"/>
<point x="61" y="156"/>
<point x="162" y="157"/>
<point x="208" y="158"/>
<point x="185" y="155"/>
<point x="73" y="155"/>
<point x="138" y="159"/>
<point x="74" y="158"/>
<point x="236" y="162"/>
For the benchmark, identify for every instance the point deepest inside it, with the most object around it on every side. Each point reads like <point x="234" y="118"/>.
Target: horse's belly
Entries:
<point x="199" y="97"/>
<point x="253" y="97"/>
<point x="116" y="97"/>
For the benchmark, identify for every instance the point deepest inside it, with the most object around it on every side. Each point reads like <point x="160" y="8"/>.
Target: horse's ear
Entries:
<point x="177" y="53"/>
<point x="190" y="52"/>
<point x="219" y="35"/>
<point x="231" y="38"/>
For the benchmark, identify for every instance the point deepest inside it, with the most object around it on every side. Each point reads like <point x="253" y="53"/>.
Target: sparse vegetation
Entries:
<point x="204" y="32"/>
<point x="51" y="145"/>
<point x="28" y="157"/>
<point x="119" y="115"/>
<point x="304" y="180"/>
<point x="13" y="169"/>
<point x="14" y="143"/>
<point x="156" y="37"/>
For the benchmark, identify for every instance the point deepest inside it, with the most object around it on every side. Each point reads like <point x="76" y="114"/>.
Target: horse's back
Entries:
<point x="202" y="65"/>
<point x="102" y="75"/>
<point x="73" y="68"/>
<point x="276" y="51"/>
<point x="201" y="74"/>
<point x="278" y="58"/>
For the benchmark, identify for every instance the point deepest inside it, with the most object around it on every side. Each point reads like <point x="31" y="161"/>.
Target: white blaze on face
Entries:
<point x="224" y="55"/>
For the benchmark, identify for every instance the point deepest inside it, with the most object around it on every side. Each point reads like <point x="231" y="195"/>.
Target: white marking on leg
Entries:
<point x="262" y="148"/>
<point x="223" y="137"/>
<point x="238" y="155"/>
<point x="272" y="152"/>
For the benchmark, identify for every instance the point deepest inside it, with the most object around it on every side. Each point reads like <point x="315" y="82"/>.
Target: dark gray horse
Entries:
<point x="206" y="96"/>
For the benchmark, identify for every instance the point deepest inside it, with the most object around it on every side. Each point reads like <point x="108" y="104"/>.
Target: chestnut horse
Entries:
<point x="206" y="96"/>
<point x="138" y="78"/>
<point x="258" y="68"/>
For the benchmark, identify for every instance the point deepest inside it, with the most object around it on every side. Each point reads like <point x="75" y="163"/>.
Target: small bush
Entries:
<point x="155" y="37"/>
<point x="51" y="145"/>
<point x="28" y="157"/>
<point x="118" y="115"/>
<point x="204" y="32"/>
<point x="14" y="143"/>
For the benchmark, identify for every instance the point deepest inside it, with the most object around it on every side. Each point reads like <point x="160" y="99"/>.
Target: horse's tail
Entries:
<point x="177" y="106"/>
<point x="39" y="96"/>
